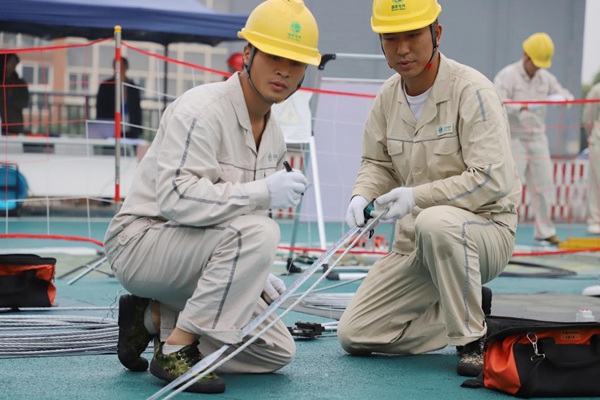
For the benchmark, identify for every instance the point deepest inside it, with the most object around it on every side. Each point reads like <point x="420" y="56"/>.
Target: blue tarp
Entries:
<point x="158" y="21"/>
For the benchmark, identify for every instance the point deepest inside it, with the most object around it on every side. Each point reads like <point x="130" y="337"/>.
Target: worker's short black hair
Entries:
<point x="10" y="56"/>
<point x="123" y="61"/>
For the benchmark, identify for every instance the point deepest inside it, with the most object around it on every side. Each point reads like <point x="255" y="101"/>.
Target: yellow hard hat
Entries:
<point x="390" y="16"/>
<point x="540" y="49"/>
<point x="284" y="28"/>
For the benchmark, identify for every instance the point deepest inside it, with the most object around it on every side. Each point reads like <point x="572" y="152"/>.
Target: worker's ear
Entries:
<point x="246" y="54"/>
<point x="438" y="34"/>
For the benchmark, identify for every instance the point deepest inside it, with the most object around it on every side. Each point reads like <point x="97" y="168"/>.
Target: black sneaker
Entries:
<point x="471" y="358"/>
<point x="133" y="335"/>
<point x="171" y="366"/>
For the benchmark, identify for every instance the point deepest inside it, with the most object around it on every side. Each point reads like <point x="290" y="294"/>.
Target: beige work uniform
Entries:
<point x="426" y="293"/>
<point x="528" y="136"/>
<point x="591" y="120"/>
<point x="193" y="231"/>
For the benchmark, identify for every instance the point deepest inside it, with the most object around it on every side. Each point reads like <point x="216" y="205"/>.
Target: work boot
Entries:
<point x="486" y="300"/>
<point x="133" y="335"/>
<point x="549" y="241"/>
<point x="471" y="358"/>
<point x="169" y="367"/>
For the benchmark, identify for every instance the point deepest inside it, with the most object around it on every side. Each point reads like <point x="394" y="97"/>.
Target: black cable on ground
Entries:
<point x="551" y="271"/>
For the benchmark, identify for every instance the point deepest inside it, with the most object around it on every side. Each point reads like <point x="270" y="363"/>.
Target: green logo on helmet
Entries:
<point x="295" y="29"/>
<point x="397" y="6"/>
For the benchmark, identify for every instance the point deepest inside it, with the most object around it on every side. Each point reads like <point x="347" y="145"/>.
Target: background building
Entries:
<point x="485" y="34"/>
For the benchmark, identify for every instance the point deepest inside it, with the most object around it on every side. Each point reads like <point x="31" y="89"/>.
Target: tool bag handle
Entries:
<point x="553" y="355"/>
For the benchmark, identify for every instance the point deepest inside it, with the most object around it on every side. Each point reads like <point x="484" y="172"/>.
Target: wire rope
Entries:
<point x="47" y="335"/>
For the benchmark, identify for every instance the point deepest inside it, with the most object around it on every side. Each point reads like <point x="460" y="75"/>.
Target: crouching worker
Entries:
<point x="436" y="156"/>
<point x="193" y="242"/>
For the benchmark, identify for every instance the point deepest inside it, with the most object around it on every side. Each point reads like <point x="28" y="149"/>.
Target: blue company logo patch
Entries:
<point x="443" y="129"/>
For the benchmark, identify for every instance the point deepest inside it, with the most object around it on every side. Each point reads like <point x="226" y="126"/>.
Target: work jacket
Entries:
<point x="457" y="153"/>
<point x="203" y="167"/>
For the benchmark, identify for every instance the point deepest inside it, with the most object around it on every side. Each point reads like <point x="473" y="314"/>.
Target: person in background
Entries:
<point x="235" y="62"/>
<point x="131" y="111"/>
<point x="14" y="95"/>
<point x="436" y="158"/>
<point x="193" y="242"/>
<point x="591" y="122"/>
<point x="529" y="80"/>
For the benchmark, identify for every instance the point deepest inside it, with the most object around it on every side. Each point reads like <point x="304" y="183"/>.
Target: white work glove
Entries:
<point x="557" y="97"/>
<point x="285" y="188"/>
<point x="394" y="204"/>
<point x="355" y="214"/>
<point x="273" y="288"/>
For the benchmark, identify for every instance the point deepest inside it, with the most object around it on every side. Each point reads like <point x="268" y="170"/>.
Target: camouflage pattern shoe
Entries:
<point x="133" y="335"/>
<point x="471" y="358"/>
<point x="171" y="366"/>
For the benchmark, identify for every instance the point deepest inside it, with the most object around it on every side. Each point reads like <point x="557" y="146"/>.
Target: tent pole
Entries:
<point x="118" y="79"/>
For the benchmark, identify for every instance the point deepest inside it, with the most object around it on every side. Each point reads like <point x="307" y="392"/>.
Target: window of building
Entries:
<point x="9" y="40"/>
<point x="37" y="76"/>
<point x="79" y="82"/>
<point x="79" y="57"/>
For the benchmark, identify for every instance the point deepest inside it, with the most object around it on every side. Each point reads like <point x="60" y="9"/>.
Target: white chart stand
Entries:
<point x="337" y="125"/>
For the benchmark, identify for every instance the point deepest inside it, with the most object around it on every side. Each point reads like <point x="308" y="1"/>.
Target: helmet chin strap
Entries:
<point x="435" y="47"/>
<point x="263" y="98"/>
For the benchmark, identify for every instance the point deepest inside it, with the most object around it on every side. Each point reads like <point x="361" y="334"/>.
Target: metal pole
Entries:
<point x="322" y="240"/>
<point x="325" y="58"/>
<point x="118" y="79"/>
<point x="290" y="267"/>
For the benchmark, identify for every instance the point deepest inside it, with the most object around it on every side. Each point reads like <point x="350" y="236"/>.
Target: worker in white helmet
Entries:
<point x="194" y="233"/>
<point x="529" y="80"/>
<point x="436" y="157"/>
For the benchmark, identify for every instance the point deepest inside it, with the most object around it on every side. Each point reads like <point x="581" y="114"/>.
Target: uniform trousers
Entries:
<point x="593" y="194"/>
<point x="209" y="282"/>
<point x="532" y="157"/>
<point x="422" y="301"/>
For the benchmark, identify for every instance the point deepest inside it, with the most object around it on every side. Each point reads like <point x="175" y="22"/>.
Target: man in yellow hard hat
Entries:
<point x="529" y="80"/>
<point x="591" y="122"/>
<point x="436" y="157"/>
<point x="194" y="234"/>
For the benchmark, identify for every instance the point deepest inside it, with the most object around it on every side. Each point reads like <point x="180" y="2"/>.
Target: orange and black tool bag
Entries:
<point x="26" y="280"/>
<point x="530" y="358"/>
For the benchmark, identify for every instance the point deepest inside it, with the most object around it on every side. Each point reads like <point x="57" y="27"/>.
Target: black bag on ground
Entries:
<point x="27" y="280"/>
<point x="530" y="358"/>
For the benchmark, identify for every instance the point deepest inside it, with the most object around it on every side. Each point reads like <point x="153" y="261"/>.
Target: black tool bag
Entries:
<point x="26" y="280"/>
<point x="530" y="358"/>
